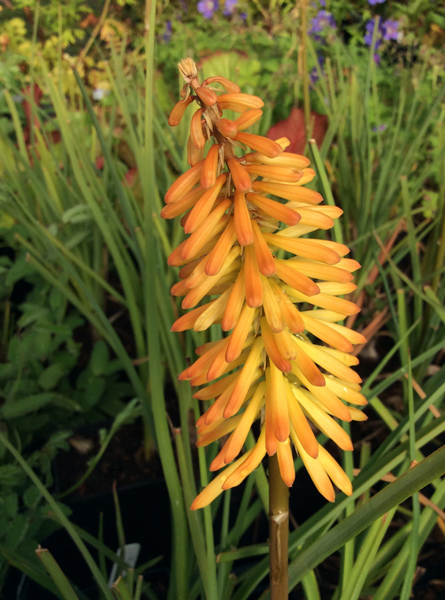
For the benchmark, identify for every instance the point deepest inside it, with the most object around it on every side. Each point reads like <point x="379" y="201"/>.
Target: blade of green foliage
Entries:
<point x="56" y="574"/>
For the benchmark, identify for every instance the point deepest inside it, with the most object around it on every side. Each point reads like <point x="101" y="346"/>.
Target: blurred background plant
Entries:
<point x="86" y="156"/>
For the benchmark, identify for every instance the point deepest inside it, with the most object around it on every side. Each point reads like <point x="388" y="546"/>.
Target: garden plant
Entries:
<point x="152" y="246"/>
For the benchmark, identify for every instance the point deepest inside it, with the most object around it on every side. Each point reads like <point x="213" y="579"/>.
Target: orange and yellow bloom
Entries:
<point x="275" y="293"/>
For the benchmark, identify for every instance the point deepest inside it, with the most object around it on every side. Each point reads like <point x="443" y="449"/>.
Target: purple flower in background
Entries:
<point x="322" y="20"/>
<point x="243" y="16"/>
<point x="379" y="128"/>
<point x="229" y="7"/>
<point x="166" y="36"/>
<point x="183" y="3"/>
<point x="370" y="31"/>
<point x="376" y="59"/>
<point x="314" y="76"/>
<point x="207" y="8"/>
<point x="391" y="30"/>
<point x="374" y="2"/>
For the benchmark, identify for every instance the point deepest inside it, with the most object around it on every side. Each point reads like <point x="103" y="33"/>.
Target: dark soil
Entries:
<point x="123" y="461"/>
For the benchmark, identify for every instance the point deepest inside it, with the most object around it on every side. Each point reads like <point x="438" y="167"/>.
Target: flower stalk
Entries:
<point x="278" y="531"/>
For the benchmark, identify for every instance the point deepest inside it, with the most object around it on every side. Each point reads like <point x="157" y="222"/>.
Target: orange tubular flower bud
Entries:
<point x="266" y="263"/>
<point x="240" y="333"/>
<point x="243" y="224"/>
<point x="254" y="289"/>
<point x="285" y="159"/>
<point x="240" y="176"/>
<point x="184" y="184"/>
<point x="220" y="252"/>
<point x="185" y="203"/>
<point x="229" y="85"/>
<point x="210" y="168"/>
<point x="271" y="366"/>
<point x="286" y="462"/>
<point x="273" y="173"/>
<point x="226" y="127"/>
<point x="271" y="307"/>
<point x="196" y="135"/>
<point x="248" y="118"/>
<point x="245" y="379"/>
<point x="178" y="111"/>
<point x="245" y="100"/>
<point x="272" y="349"/>
<point x="204" y="205"/>
<point x="206" y="95"/>
<point x="275" y="209"/>
<point x="296" y="280"/>
<point x="288" y="192"/>
<point x="234" y="304"/>
<point x="204" y="232"/>
<point x="304" y="248"/>
<point x="194" y="155"/>
<point x="259" y="143"/>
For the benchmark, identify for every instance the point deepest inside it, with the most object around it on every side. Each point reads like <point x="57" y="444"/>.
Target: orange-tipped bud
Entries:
<point x="254" y="289"/>
<point x="184" y="184"/>
<point x="337" y="305"/>
<point x="214" y="489"/>
<point x="260" y="144"/>
<point x="229" y="85"/>
<point x="178" y="111"/>
<point x="240" y="176"/>
<point x="245" y="379"/>
<point x="271" y="307"/>
<point x="245" y="100"/>
<point x="235" y="303"/>
<point x="218" y="255"/>
<point x="204" y="232"/>
<point x="243" y="224"/>
<point x="303" y="248"/>
<point x="296" y="280"/>
<point x="329" y="362"/>
<point x="272" y="349"/>
<point x="204" y="205"/>
<point x="275" y="209"/>
<point x="285" y="159"/>
<point x="188" y="320"/>
<point x="251" y="461"/>
<point x="286" y="462"/>
<point x="305" y="367"/>
<point x="239" y="436"/>
<point x="300" y="423"/>
<point x="318" y="270"/>
<point x="315" y="470"/>
<point x="174" y="209"/>
<point x="210" y="168"/>
<point x="194" y="155"/>
<point x="314" y="218"/>
<point x="206" y="95"/>
<point x="273" y="173"/>
<point x="280" y="411"/>
<point x="289" y="311"/>
<point x="226" y="127"/>
<point x="196" y="134"/>
<point x="266" y="263"/>
<point x="240" y="333"/>
<point x="288" y="192"/>
<point x="327" y="334"/>
<point x="248" y="118"/>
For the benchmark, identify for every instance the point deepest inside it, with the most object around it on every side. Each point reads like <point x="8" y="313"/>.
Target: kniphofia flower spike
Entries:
<point x="244" y="215"/>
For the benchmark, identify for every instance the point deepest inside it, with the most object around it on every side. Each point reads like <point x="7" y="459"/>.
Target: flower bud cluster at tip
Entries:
<point x="243" y="214"/>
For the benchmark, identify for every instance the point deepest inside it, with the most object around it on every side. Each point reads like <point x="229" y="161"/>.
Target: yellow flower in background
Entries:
<point x="269" y="366"/>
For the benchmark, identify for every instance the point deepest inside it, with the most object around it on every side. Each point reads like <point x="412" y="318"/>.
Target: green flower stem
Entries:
<point x="279" y="531"/>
